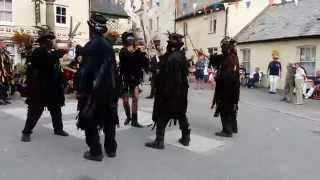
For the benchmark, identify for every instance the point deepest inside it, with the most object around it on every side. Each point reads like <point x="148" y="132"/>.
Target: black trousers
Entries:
<point x="229" y="121"/>
<point x="163" y="122"/>
<point x="152" y="83"/>
<point x="34" y="114"/>
<point x="93" y="139"/>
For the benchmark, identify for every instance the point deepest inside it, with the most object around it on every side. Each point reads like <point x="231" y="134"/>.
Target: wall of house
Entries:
<point x="238" y="17"/>
<point x="241" y="15"/>
<point x="199" y="35"/>
<point x="289" y="53"/>
<point x="79" y="13"/>
<point x="24" y="13"/>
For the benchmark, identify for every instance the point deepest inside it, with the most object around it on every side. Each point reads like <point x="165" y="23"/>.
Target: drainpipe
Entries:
<point x="227" y="21"/>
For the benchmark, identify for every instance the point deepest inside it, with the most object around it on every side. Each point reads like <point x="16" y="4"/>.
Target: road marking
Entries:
<point x="198" y="144"/>
<point x="21" y="112"/>
<point x="71" y="127"/>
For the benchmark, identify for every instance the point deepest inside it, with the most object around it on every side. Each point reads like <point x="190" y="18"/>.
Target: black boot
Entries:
<point x="134" y="122"/>
<point x="26" y="138"/>
<point x="61" y="133"/>
<point x="158" y="143"/>
<point x="224" y="134"/>
<point x="127" y="121"/>
<point x="87" y="155"/>
<point x="185" y="139"/>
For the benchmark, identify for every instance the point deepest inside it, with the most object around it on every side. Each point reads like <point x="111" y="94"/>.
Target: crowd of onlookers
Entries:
<point x="298" y="84"/>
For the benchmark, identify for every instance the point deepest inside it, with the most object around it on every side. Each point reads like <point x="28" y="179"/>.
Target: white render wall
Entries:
<point x="79" y="10"/>
<point x="24" y="13"/>
<point x="199" y="36"/>
<point x="261" y="54"/>
<point x="241" y="16"/>
<point x="238" y="18"/>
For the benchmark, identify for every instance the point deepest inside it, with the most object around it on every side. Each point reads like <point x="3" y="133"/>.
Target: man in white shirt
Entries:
<point x="300" y="76"/>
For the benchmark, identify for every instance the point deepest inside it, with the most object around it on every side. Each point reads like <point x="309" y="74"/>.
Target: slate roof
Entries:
<point x="108" y="8"/>
<point x="284" y="21"/>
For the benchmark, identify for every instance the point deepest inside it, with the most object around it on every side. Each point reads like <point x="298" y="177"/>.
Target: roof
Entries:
<point x="200" y="12"/>
<point x="283" y="22"/>
<point x="108" y="8"/>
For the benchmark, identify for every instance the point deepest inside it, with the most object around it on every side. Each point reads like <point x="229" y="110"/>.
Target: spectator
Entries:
<point x="243" y="72"/>
<point x="314" y="88"/>
<point x="289" y="83"/>
<point x="200" y="66"/>
<point x="206" y="70"/>
<point x="300" y="76"/>
<point x="254" y="78"/>
<point x="274" y="70"/>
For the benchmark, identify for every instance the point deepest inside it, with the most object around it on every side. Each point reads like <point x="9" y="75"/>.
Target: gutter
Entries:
<point x="280" y="39"/>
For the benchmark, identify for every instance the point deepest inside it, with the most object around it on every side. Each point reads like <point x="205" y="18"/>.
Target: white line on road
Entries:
<point x="198" y="144"/>
<point x="71" y="128"/>
<point x="21" y="112"/>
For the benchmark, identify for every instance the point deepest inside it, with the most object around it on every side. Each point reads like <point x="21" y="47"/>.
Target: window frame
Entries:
<point x="151" y="24"/>
<point x="313" y="59"/>
<point x="4" y="10"/>
<point x="185" y="29"/>
<point x="157" y="24"/>
<point x="60" y="15"/>
<point x="212" y="24"/>
<point x="246" y="59"/>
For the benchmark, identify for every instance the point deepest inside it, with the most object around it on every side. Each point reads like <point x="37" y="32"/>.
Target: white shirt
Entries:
<point x="300" y="74"/>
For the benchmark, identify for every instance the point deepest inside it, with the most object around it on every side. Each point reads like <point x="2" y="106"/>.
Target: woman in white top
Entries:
<point x="300" y="76"/>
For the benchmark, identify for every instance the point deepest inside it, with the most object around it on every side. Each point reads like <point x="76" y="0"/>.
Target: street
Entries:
<point x="276" y="141"/>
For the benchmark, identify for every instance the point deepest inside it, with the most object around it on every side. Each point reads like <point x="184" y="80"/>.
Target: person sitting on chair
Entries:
<point x="254" y="78"/>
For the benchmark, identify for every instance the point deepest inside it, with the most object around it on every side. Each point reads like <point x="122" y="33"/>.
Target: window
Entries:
<point x="150" y="25"/>
<point x="246" y="59"/>
<point x="150" y="3"/>
<point x="307" y="57"/>
<point x="185" y="28"/>
<point x="6" y="10"/>
<point x="212" y="25"/>
<point x="157" y="25"/>
<point x="61" y="15"/>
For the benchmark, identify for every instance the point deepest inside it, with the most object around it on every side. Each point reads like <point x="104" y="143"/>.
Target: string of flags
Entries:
<point x="182" y="5"/>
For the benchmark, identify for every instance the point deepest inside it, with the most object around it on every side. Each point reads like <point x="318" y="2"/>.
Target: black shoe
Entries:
<point x="235" y="131"/>
<point x="61" y="133"/>
<point x="127" y="121"/>
<point x="136" y="124"/>
<point x="149" y="97"/>
<point x="185" y="140"/>
<point x="155" y="144"/>
<point x="7" y="102"/>
<point x="111" y="154"/>
<point x="87" y="155"/>
<point x="284" y="99"/>
<point x="26" y="138"/>
<point x="223" y="134"/>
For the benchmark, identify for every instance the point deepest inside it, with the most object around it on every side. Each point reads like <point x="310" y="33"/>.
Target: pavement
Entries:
<point x="276" y="140"/>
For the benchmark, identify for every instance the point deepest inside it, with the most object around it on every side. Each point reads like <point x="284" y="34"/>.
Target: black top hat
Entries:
<point x="128" y="38"/>
<point x="46" y="35"/>
<point x="175" y="40"/>
<point x="98" y="23"/>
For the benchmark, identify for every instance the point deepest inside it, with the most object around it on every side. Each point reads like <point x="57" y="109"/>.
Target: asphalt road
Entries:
<point x="276" y="140"/>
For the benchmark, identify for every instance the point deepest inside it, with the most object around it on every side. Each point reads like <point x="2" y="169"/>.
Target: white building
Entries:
<point x="155" y="16"/>
<point x="292" y="30"/>
<point x="20" y="15"/>
<point x="205" y="30"/>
